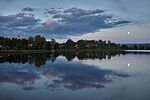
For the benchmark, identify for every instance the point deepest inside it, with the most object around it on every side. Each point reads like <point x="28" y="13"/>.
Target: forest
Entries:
<point x="39" y="43"/>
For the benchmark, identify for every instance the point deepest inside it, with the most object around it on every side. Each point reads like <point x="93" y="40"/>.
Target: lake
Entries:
<point x="75" y="76"/>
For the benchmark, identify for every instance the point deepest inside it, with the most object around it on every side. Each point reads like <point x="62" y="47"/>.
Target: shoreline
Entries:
<point x="56" y="50"/>
<point x="64" y="50"/>
<point x="145" y="51"/>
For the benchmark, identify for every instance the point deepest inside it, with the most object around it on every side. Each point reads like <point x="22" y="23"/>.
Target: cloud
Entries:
<point x="83" y="11"/>
<point x="17" y="20"/>
<point x="52" y="11"/>
<point x="28" y="9"/>
<point x="72" y="22"/>
<point x="11" y="24"/>
<point x="49" y="22"/>
<point x="76" y="21"/>
<point x="122" y="22"/>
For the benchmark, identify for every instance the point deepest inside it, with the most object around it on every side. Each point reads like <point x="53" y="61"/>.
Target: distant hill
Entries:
<point x="137" y="44"/>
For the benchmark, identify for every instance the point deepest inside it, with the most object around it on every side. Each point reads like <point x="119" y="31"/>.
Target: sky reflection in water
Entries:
<point x="70" y="75"/>
<point x="61" y="71"/>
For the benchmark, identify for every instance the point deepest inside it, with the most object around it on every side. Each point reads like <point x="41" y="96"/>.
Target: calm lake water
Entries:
<point x="75" y="76"/>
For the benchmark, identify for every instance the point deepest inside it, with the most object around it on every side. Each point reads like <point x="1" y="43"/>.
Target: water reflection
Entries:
<point x="39" y="59"/>
<point x="77" y="76"/>
<point x="68" y="75"/>
<point x="72" y="76"/>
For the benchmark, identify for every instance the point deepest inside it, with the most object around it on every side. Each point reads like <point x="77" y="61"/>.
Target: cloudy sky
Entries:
<point x="77" y="19"/>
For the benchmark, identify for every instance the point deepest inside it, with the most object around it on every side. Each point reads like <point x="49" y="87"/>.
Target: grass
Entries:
<point x="24" y="51"/>
<point x="57" y="50"/>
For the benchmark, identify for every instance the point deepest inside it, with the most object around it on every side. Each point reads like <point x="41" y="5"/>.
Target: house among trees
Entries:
<point x="18" y="36"/>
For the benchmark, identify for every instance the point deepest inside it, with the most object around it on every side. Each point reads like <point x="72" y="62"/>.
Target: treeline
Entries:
<point x="39" y="43"/>
<point x="32" y="43"/>
<point x="136" y="47"/>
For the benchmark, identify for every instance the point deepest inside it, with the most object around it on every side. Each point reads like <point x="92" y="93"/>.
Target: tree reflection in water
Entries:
<point x="39" y="59"/>
<point x="72" y="76"/>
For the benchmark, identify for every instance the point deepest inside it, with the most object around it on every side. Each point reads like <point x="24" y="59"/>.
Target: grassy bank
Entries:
<point x="24" y="51"/>
<point x="56" y="50"/>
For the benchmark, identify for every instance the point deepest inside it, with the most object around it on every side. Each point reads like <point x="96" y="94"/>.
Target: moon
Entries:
<point x="129" y="33"/>
<point x="129" y="64"/>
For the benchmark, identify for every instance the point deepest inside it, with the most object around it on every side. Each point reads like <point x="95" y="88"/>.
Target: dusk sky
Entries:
<point x="123" y="21"/>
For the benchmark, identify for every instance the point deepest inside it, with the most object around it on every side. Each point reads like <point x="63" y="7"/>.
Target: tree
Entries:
<point x="135" y="47"/>
<point x="24" y="43"/>
<point x="30" y="42"/>
<point x="109" y="42"/>
<point x="48" y="45"/>
<point x="70" y="44"/>
<point x="56" y="46"/>
<point x="124" y="47"/>
<point x="53" y="43"/>
<point x="39" y="42"/>
<point x="81" y="44"/>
